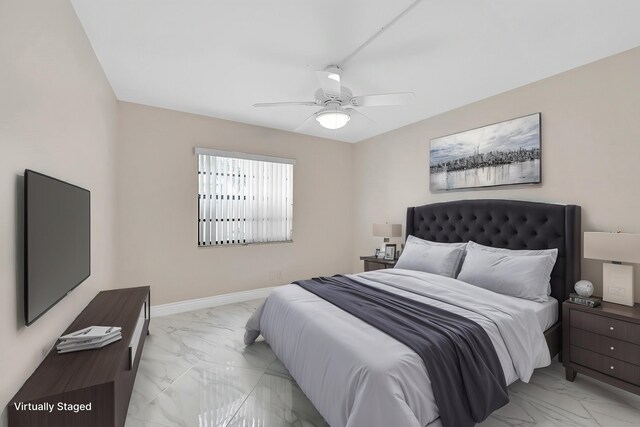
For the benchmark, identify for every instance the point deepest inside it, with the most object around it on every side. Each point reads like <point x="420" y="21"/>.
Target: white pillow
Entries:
<point x="553" y="253"/>
<point x="414" y="239"/>
<point x="462" y="245"/>
<point x="431" y="257"/>
<point x="500" y="270"/>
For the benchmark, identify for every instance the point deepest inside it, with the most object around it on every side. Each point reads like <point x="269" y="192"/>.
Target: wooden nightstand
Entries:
<point x="372" y="263"/>
<point x="603" y="343"/>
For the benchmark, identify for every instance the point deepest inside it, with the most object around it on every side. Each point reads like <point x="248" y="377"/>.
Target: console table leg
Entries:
<point x="570" y="374"/>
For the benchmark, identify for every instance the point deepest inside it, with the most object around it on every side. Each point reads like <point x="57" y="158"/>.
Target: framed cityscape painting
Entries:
<point x="504" y="153"/>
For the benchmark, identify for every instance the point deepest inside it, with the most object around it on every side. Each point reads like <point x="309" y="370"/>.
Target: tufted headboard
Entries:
<point x="508" y="224"/>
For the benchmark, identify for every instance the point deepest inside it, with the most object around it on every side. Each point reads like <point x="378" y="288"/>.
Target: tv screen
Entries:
<point x="57" y="241"/>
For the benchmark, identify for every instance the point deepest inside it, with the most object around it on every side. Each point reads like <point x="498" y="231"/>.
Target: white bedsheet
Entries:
<point x="357" y="376"/>
<point x="546" y="312"/>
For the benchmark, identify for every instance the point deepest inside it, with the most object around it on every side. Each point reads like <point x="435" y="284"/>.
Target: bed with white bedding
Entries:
<point x="325" y="348"/>
<point x="357" y="375"/>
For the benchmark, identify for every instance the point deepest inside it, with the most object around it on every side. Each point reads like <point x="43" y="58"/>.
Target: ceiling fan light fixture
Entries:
<point x="333" y="119"/>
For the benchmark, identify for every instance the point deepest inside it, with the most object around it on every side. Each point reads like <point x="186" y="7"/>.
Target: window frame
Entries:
<point x="240" y="156"/>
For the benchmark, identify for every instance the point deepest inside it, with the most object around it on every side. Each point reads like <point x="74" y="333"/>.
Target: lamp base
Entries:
<point x="383" y="246"/>
<point x="617" y="283"/>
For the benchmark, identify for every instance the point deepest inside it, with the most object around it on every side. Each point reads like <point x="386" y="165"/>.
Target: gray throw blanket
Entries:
<point x="466" y="377"/>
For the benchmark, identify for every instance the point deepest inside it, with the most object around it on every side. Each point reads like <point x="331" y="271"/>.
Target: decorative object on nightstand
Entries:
<point x="617" y="279"/>
<point x="386" y="231"/>
<point x="372" y="263"/>
<point x="584" y="288"/>
<point x="603" y="343"/>
<point x="588" y="301"/>
<point x="390" y="251"/>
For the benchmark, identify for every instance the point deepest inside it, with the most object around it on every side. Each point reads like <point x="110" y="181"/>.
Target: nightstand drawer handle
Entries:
<point x="611" y="367"/>
<point x="611" y="328"/>
<point x="612" y="348"/>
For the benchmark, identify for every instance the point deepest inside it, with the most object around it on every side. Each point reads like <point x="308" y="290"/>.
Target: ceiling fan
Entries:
<point x="338" y="102"/>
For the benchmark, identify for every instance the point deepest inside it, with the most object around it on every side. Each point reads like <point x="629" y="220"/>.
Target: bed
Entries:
<point x="356" y="375"/>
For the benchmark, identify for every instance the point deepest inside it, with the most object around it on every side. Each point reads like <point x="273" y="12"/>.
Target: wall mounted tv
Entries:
<point x="57" y="241"/>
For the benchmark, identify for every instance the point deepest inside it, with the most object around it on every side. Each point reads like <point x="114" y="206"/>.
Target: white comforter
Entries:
<point x="358" y="376"/>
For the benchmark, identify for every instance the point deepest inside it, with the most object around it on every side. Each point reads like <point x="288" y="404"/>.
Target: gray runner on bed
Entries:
<point x="466" y="377"/>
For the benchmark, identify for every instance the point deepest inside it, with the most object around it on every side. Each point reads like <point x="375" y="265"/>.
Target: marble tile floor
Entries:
<point x="196" y="371"/>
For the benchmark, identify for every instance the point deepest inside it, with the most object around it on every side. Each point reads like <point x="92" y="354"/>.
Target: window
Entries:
<point x="243" y="198"/>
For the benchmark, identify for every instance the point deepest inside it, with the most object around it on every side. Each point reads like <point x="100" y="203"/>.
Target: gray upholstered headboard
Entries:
<point x="508" y="224"/>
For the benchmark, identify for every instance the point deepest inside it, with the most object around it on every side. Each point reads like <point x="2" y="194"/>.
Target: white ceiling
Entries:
<point x="218" y="57"/>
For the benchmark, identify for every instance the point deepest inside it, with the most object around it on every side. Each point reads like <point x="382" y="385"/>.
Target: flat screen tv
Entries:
<point x="57" y="241"/>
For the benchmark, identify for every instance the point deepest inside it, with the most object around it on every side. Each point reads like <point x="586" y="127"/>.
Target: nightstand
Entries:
<point x="372" y="263"/>
<point x="602" y="342"/>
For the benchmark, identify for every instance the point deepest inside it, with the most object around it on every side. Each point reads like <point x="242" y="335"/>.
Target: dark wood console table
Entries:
<point x="102" y="378"/>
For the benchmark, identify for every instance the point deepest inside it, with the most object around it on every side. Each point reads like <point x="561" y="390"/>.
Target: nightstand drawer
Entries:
<point x="606" y="365"/>
<point x="372" y="266"/>
<point x="606" y="326"/>
<point x="611" y="347"/>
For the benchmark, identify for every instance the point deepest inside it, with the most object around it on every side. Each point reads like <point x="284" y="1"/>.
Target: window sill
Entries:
<point x="232" y="245"/>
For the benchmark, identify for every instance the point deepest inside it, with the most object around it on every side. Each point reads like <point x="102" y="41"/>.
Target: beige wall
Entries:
<point x="590" y="144"/>
<point x="157" y="207"/>
<point x="57" y="116"/>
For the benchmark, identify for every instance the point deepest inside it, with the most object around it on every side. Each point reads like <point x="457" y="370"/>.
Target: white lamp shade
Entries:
<point x="387" y="230"/>
<point x="621" y="247"/>
<point x="332" y="119"/>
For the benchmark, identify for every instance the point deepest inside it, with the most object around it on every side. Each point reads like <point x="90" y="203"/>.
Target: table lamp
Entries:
<point x="617" y="278"/>
<point x="387" y="231"/>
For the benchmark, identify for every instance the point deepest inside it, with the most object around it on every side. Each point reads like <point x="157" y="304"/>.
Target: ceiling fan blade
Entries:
<point x="401" y="98"/>
<point x="329" y="82"/>
<point x="353" y="111"/>
<point x="305" y="122"/>
<point x="284" y="104"/>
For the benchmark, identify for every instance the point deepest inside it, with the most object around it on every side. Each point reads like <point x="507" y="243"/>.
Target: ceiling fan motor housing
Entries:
<point x="343" y="99"/>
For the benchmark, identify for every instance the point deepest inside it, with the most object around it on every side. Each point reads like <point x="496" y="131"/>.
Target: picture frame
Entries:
<point x="390" y="252"/>
<point x="504" y="153"/>
<point x="379" y="253"/>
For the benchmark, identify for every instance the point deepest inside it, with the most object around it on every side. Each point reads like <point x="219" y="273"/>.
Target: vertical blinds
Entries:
<point x="243" y="198"/>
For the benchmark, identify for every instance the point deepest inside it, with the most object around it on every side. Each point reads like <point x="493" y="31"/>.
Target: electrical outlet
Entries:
<point x="275" y="275"/>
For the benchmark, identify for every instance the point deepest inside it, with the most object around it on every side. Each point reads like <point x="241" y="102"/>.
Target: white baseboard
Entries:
<point x="216" y="300"/>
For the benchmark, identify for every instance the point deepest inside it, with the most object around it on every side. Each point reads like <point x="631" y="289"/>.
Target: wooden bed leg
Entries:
<point x="560" y="356"/>
<point x="570" y="374"/>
